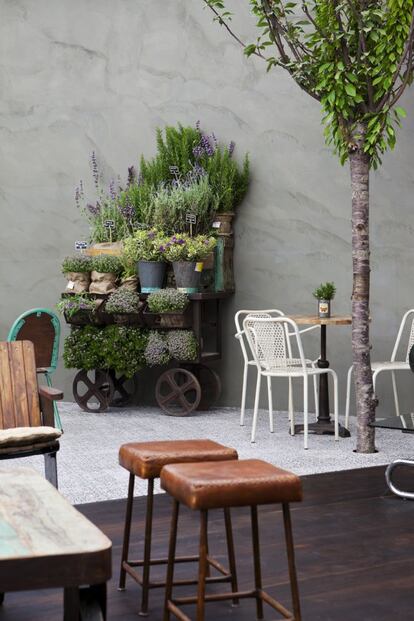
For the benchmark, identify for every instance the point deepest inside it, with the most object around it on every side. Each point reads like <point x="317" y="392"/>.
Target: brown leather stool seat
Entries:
<point x="233" y="484"/>
<point x="204" y="486"/>
<point x="145" y="460"/>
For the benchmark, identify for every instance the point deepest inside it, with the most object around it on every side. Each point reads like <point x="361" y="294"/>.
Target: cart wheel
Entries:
<point x="210" y="383"/>
<point x="93" y="390"/>
<point x="178" y="392"/>
<point x="125" y="389"/>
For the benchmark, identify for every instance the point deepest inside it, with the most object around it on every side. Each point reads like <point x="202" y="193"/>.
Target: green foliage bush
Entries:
<point x="167" y="300"/>
<point x="186" y="248"/>
<point x="107" y="264"/>
<point x="144" y="246"/>
<point x="76" y="263"/>
<point x="325" y="291"/>
<point x="123" y="301"/>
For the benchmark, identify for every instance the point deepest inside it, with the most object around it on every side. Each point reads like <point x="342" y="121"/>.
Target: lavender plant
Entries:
<point x="123" y="301"/>
<point x="167" y="301"/>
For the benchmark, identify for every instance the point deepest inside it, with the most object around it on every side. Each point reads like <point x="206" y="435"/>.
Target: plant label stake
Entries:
<point x="174" y="171"/>
<point x="191" y="219"/>
<point x="81" y="245"/>
<point x="110" y="226"/>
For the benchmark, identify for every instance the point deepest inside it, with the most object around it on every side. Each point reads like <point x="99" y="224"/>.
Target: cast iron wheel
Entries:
<point x="125" y="389"/>
<point x="178" y="392"/>
<point x="210" y="383"/>
<point x="93" y="390"/>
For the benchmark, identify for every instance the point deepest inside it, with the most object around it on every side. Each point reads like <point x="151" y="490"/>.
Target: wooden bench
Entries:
<point x="47" y="543"/>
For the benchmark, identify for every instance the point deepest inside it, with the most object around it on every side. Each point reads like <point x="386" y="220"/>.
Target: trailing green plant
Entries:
<point x="123" y="301"/>
<point x="112" y="347"/>
<point x="144" y="246"/>
<point x="171" y="203"/>
<point x="156" y="351"/>
<point x="167" y="300"/>
<point x="186" y="248"/>
<point x="182" y="345"/>
<point x="325" y="291"/>
<point x="76" y="263"/>
<point x="107" y="264"/>
<point x="74" y="304"/>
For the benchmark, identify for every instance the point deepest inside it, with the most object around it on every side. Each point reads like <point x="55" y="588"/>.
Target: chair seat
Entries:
<point x="397" y="365"/>
<point x="21" y="436"/>
<point x="26" y="450"/>
<point x="230" y="484"/>
<point x="145" y="459"/>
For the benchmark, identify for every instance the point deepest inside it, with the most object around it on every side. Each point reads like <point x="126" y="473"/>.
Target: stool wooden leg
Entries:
<point x="256" y="559"/>
<point x="291" y="561"/>
<point x="147" y="549"/>
<point x="230" y="553"/>
<point x="202" y="565"/>
<point x="171" y="558"/>
<point x="127" y="531"/>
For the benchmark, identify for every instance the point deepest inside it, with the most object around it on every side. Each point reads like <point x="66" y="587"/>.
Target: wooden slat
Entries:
<point x="18" y="385"/>
<point x="6" y="392"/>
<point x="31" y="384"/>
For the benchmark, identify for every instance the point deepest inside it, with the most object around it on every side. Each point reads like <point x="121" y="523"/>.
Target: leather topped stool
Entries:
<point x="145" y="460"/>
<point x="205" y="486"/>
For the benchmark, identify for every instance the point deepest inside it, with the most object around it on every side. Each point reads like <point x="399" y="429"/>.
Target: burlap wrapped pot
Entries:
<point x="130" y="283"/>
<point x="102" y="282"/>
<point x="78" y="282"/>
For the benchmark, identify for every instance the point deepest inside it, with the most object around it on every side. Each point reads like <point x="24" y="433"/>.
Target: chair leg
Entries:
<point x="256" y="560"/>
<point x="316" y="395"/>
<point x="290" y="401"/>
<point x="256" y="406"/>
<point x="58" y="422"/>
<point x="336" y="406"/>
<point x="171" y="559"/>
<point x="394" y="388"/>
<point x="51" y="468"/>
<point x="127" y="531"/>
<point x="269" y="394"/>
<point x="147" y="550"/>
<point x="305" y="411"/>
<point x="244" y="391"/>
<point x="291" y="561"/>
<point x="230" y="553"/>
<point x="202" y="566"/>
<point x="348" y="395"/>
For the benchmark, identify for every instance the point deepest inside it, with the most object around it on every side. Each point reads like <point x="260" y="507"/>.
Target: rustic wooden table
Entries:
<point x="47" y="543"/>
<point x="324" y="424"/>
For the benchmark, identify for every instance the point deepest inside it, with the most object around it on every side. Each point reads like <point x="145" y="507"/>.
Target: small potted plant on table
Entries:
<point x="325" y="293"/>
<point x="186" y="255"/>
<point x="168" y="308"/>
<point x="146" y="249"/>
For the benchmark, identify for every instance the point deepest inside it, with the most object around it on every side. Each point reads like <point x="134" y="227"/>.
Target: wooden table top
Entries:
<point x="314" y="320"/>
<point x="44" y="541"/>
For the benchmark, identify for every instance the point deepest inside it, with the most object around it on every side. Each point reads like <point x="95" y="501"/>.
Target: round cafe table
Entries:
<point x="324" y="424"/>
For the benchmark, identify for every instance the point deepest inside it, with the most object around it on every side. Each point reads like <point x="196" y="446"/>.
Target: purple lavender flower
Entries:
<point x="131" y="175"/>
<point x="127" y="211"/>
<point x="198" y="126"/>
<point x="214" y="140"/>
<point x="78" y="197"/>
<point x="150" y="234"/>
<point x="198" y="151"/>
<point x="140" y="179"/>
<point x="181" y="241"/>
<point x="161" y="248"/>
<point x="94" y="210"/>
<point x="112" y="192"/>
<point x="199" y="171"/>
<point x="207" y="146"/>
<point x="173" y="239"/>
<point x="95" y="170"/>
<point x="231" y="147"/>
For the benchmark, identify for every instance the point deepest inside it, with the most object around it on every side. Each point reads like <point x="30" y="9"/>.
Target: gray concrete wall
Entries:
<point x="83" y="75"/>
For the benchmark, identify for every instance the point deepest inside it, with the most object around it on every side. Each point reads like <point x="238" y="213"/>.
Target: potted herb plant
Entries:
<point x="146" y="249"/>
<point x="125" y="307"/>
<point x="156" y="351"/>
<point x="78" y="309"/>
<point x="106" y="270"/>
<point x="325" y="293"/>
<point x="186" y="255"/>
<point x="182" y="345"/>
<point x="77" y="269"/>
<point x="168" y="308"/>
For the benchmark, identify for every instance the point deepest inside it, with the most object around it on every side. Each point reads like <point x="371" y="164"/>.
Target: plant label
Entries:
<point x="109" y="224"/>
<point x="174" y="170"/>
<point x="81" y="245"/>
<point x="216" y="225"/>
<point x="198" y="266"/>
<point x="191" y="218"/>
<point x="70" y="285"/>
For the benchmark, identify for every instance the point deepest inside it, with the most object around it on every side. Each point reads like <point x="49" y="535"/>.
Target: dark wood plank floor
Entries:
<point x="354" y="542"/>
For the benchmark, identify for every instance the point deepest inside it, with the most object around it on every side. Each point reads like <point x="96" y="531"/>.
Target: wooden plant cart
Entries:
<point x="180" y="389"/>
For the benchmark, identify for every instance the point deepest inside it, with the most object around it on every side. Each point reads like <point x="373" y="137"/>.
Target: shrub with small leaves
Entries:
<point x="107" y="264"/>
<point x="76" y="263"/>
<point x="167" y="301"/>
<point x="182" y="345"/>
<point x="123" y="301"/>
<point x="186" y="248"/>
<point x="144" y="246"/>
<point x="325" y="291"/>
<point x="156" y="351"/>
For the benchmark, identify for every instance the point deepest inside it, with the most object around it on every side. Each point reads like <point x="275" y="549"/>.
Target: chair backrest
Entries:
<point x="239" y="318"/>
<point x="401" y="329"/>
<point x="269" y="342"/>
<point x="42" y="327"/>
<point x="19" y="398"/>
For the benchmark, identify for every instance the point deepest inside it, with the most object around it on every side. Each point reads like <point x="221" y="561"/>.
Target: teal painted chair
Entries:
<point x="42" y="327"/>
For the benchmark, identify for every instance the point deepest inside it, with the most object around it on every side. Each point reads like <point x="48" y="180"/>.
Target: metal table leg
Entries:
<point x="388" y="475"/>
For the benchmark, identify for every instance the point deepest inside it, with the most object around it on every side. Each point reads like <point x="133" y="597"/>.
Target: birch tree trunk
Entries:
<point x="365" y="402"/>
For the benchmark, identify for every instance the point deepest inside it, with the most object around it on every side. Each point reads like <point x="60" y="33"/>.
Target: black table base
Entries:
<point x="324" y="428"/>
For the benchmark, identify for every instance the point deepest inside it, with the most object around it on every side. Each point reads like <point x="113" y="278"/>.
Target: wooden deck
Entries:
<point x="355" y="558"/>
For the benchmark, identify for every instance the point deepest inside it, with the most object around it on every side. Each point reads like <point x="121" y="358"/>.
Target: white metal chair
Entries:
<point x="240" y="335"/>
<point x="269" y="341"/>
<point x="389" y="365"/>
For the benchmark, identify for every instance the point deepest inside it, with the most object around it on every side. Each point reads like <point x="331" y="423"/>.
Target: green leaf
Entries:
<point x="401" y="112"/>
<point x="350" y="89"/>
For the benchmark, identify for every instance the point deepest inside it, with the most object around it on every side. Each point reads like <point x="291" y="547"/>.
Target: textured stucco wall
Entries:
<point x="83" y="75"/>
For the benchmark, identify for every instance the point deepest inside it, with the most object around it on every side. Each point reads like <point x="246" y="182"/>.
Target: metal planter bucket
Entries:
<point x="151" y="275"/>
<point x="324" y="309"/>
<point x="187" y="275"/>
